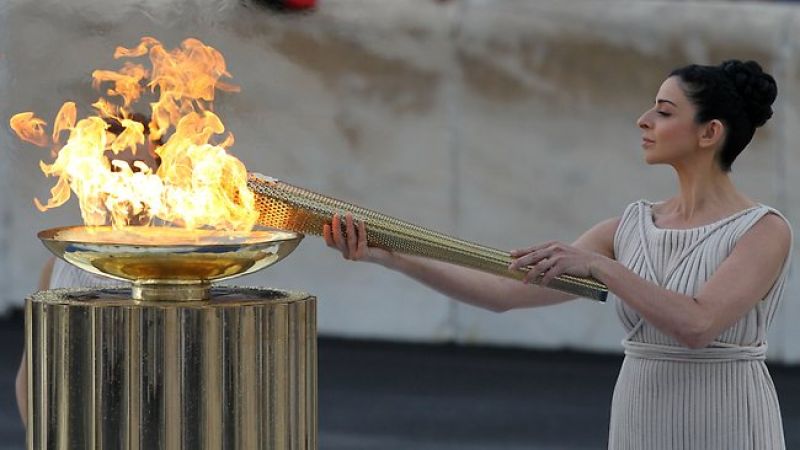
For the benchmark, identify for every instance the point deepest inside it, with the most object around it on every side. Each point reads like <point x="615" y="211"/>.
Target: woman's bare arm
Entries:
<point x="467" y="285"/>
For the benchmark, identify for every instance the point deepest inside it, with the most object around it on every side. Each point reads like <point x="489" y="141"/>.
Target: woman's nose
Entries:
<point x="644" y="121"/>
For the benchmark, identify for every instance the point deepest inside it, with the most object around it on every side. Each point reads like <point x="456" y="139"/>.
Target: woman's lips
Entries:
<point x="647" y="142"/>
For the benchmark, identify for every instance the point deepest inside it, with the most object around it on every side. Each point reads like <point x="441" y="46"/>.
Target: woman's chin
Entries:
<point x="651" y="159"/>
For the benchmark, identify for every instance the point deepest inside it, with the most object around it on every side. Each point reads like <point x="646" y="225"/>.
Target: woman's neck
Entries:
<point x="705" y="192"/>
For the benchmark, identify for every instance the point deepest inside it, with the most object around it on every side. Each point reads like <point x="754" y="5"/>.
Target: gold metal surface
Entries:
<point x="281" y="205"/>
<point x="238" y="371"/>
<point x="169" y="263"/>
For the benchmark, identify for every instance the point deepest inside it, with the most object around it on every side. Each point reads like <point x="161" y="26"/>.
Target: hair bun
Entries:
<point x="756" y="88"/>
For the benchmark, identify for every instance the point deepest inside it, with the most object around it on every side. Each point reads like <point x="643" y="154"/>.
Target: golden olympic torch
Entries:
<point x="281" y="205"/>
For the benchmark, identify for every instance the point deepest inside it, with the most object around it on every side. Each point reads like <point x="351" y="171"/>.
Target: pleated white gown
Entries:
<point x="669" y="397"/>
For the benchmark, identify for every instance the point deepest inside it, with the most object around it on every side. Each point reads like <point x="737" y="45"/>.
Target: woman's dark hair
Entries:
<point x="738" y="94"/>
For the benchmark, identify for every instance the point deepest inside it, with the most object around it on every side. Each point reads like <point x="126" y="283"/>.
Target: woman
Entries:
<point x="698" y="275"/>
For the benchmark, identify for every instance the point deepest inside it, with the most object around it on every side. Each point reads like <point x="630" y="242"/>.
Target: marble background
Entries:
<point x="505" y="123"/>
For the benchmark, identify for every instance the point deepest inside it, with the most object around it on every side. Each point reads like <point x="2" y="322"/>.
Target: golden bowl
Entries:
<point x="166" y="263"/>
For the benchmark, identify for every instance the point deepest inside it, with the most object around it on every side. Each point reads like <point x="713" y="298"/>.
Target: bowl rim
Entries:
<point x="278" y="235"/>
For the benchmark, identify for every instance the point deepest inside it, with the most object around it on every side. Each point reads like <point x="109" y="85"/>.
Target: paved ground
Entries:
<point x="379" y="396"/>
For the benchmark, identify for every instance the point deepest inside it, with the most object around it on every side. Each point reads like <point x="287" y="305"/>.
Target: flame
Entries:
<point x="198" y="183"/>
<point x="29" y="128"/>
<point x="65" y="119"/>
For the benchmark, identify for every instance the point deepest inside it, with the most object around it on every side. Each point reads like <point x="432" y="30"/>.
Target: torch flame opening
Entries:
<point x="197" y="184"/>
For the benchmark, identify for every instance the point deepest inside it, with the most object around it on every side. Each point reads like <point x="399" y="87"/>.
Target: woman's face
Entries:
<point x="669" y="131"/>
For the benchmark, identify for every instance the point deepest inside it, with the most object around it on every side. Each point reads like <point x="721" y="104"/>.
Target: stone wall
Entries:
<point x="506" y="123"/>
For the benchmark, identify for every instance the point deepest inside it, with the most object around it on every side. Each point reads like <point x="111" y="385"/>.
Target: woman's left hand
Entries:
<point x="552" y="259"/>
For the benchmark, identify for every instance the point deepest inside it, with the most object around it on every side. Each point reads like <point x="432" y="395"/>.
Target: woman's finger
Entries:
<point x="555" y="269"/>
<point x="361" y="248"/>
<point x="537" y="271"/>
<point x="352" y="238"/>
<point x="523" y="261"/>
<point x="526" y="260"/>
<point x="326" y="234"/>
<point x="522" y="251"/>
<point x="532" y="276"/>
<point x="531" y="258"/>
<point x="338" y="239"/>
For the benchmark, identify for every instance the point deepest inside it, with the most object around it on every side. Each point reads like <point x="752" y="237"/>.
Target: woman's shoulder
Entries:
<point x="642" y="202"/>
<point x="764" y="232"/>
<point x="773" y="223"/>
<point x="773" y="215"/>
<point x="768" y="239"/>
<point x="632" y="210"/>
<point x="766" y="219"/>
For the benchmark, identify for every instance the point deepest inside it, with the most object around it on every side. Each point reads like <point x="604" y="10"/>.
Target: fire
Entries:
<point x="198" y="184"/>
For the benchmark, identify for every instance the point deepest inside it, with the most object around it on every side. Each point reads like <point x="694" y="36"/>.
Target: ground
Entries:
<point x="391" y="396"/>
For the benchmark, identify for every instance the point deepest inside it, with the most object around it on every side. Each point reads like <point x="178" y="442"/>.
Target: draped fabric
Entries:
<point x="670" y="397"/>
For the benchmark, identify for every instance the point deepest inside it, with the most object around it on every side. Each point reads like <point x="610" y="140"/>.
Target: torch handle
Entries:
<point x="281" y="205"/>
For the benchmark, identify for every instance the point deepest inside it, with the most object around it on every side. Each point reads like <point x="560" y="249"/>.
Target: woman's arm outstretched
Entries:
<point x="471" y="286"/>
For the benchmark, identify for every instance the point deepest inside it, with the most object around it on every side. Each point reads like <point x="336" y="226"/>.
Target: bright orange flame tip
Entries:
<point x="29" y="128"/>
<point x="65" y="119"/>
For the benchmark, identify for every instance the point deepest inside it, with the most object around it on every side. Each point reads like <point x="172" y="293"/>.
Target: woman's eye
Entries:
<point x="663" y="114"/>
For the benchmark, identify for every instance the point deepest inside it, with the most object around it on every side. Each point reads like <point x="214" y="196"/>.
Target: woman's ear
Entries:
<point x="712" y="134"/>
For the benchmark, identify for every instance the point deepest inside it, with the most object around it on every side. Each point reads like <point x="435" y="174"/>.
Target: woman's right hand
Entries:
<point x="353" y="242"/>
